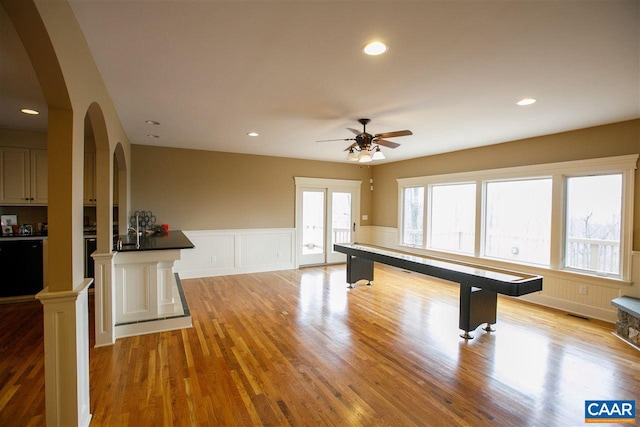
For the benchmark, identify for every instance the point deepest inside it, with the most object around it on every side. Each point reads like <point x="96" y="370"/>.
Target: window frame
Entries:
<point x="558" y="172"/>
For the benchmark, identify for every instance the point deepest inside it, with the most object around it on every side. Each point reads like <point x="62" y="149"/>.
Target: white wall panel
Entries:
<point x="265" y="249"/>
<point x="385" y="236"/>
<point x="223" y="252"/>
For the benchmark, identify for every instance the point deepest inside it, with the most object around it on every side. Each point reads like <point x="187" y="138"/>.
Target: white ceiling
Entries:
<point x="294" y="71"/>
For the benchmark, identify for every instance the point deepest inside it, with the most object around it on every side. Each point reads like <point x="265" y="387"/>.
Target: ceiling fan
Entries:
<point x="366" y="146"/>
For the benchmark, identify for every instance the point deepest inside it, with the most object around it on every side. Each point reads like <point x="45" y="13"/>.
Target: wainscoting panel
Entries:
<point x="265" y="249"/>
<point x="380" y="236"/>
<point x="224" y="252"/>
<point x="583" y="298"/>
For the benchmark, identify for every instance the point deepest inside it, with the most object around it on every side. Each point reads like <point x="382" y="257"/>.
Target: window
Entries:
<point x="518" y="220"/>
<point x="575" y="216"/>
<point x="453" y="217"/>
<point x="413" y="216"/>
<point x="593" y="219"/>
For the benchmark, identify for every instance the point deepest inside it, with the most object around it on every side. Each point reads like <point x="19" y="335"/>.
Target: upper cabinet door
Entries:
<point x="39" y="177"/>
<point x="14" y="176"/>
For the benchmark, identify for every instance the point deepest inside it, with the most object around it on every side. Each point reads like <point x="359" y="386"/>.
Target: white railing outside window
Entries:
<point x="412" y="237"/>
<point x="341" y="235"/>
<point x="593" y="254"/>
<point x="457" y="241"/>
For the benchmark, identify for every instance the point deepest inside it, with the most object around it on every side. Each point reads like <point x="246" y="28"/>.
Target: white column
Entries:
<point x="66" y="350"/>
<point x="104" y="299"/>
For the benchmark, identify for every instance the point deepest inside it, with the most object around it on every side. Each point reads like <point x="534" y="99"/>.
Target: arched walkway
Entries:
<point x="73" y="90"/>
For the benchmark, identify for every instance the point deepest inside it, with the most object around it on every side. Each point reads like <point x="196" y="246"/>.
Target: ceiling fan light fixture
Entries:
<point x="352" y="156"/>
<point x="375" y="48"/>
<point x="378" y="155"/>
<point x="365" y="156"/>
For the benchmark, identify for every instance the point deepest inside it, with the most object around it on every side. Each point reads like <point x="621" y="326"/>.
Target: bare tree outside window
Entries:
<point x="413" y="216"/>
<point x="594" y="214"/>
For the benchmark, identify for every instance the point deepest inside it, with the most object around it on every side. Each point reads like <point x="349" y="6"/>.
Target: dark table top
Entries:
<point x="175" y="239"/>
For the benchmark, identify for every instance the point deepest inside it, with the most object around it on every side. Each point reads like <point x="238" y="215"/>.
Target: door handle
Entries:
<point x="354" y="227"/>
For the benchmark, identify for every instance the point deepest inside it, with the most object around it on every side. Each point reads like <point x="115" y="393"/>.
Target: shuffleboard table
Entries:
<point x="479" y="285"/>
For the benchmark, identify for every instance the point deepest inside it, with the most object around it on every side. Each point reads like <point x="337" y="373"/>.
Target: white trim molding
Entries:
<point x="328" y="186"/>
<point x="66" y="355"/>
<point x="104" y="299"/>
<point x="302" y="181"/>
<point x="569" y="168"/>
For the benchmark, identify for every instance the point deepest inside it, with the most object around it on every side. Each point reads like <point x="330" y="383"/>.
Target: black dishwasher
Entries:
<point x="20" y="267"/>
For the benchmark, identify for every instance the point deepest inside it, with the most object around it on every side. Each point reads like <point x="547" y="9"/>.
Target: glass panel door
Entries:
<point x="326" y="213"/>
<point x="341" y="223"/>
<point x="313" y="220"/>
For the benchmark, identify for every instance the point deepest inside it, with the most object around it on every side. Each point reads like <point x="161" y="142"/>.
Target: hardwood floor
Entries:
<point x="298" y="348"/>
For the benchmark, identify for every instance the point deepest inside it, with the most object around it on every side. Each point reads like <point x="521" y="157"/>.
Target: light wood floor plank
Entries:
<point x="298" y="348"/>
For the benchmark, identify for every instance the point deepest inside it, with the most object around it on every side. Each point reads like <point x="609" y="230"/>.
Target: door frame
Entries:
<point x="328" y="185"/>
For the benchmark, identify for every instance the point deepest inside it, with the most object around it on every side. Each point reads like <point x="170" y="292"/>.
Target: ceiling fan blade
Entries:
<point x="341" y="139"/>
<point x="386" y="143"/>
<point x="355" y="132"/>
<point x="394" y="134"/>
<point x="351" y="146"/>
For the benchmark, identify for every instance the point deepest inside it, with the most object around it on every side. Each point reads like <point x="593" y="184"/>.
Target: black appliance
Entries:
<point x="90" y="246"/>
<point x="21" y="264"/>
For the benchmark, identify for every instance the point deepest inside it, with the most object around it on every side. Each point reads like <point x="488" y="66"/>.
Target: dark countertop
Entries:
<point x="34" y="236"/>
<point x="175" y="239"/>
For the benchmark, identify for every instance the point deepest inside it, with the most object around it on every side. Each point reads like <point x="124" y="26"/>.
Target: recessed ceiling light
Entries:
<point x="152" y="122"/>
<point x="375" y="48"/>
<point x="526" y="101"/>
<point x="150" y="135"/>
<point x="30" y="111"/>
<point x="253" y="134"/>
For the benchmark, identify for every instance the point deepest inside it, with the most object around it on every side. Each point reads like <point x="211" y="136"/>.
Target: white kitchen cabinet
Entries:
<point x="39" y="176"/>
<point x="90" y="194"/>
<point x="23" y="178"/>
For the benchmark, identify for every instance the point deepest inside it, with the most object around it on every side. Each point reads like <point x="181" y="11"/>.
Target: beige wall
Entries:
<point x="23" y="139"/>
<point x="602" y="141"/>
<point x="204" y="190"/>
<point x="192" y="189"/>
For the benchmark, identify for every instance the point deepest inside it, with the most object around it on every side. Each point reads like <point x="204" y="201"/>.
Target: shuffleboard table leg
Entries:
<point x="489" y="328"/>
<point x="466" y="335"/>
<point x="477" y="306"/>
<point x="359" y="269"/>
